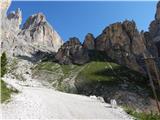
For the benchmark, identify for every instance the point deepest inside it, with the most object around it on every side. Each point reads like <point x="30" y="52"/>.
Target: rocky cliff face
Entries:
<point x="121" y="42"/>
<point x="4" y="7"/>
<point x="89" y="42"/>
<point x="72" y="52"/>
<point x="154" y="29"/>
<point x="10" y="29"/>
<point x="37" y="31"/>
<point x="36" y="34"/>
<point x="124" y="44"/>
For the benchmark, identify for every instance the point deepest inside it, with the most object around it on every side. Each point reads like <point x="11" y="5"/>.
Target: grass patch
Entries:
<point x="142" y="115"/>
<point x="5" y="92"/>
<point x="56" y="73"/>
<point x="109" y="72"/>
<point x="49" y="66"/>
<point x="98" y="77"/>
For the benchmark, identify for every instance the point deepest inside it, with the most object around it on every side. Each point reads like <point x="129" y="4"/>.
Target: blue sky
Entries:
<point x="79" y="18"/>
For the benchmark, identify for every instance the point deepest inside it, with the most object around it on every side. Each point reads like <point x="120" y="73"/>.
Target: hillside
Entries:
<point x="106" y="79"/>
<point x="75" y="79"/>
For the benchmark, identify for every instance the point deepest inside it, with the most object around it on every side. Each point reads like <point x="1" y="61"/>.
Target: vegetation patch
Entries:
<point x="5" y="92"/>
<point x="57" y="75"/>
<point x="142" y="115"/>
<point x="109" y="72"/>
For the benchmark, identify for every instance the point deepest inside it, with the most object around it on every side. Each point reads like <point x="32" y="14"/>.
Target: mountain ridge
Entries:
<point x="110" y="65"/>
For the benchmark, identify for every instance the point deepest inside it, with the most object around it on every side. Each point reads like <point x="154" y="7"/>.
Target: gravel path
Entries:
<point x="36" y="101"/>
<point x="44" y="103"/>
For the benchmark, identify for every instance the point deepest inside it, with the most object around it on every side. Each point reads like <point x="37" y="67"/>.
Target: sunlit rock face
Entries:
<point x="16" y="17"/>
<point x="72" y="52"/>
<point x="10" y="27"/>
<point x="4" y="6"/>
<point x="89" y="42"/>
<point x="36" y="34"/>
<point x="37" y="31"/>
<point x="124" y="44"/>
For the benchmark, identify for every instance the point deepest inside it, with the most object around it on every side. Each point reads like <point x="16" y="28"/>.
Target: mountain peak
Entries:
<point x="157" y="16"/>
<point x="36" y="34"/>
<point x="35" y="20"/>
<point x="16" y="15"/>
<point x="89" y="42"/>
<point x="39" y="32"/>
<point x="4" y="6"/>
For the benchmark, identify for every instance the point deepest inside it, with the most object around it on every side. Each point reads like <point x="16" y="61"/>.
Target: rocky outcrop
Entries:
<point x="124" y="44"/>
<point x="89" y="42"/>
<point x="36" y="34"/>
<point x="151" y="47"/>
<point x="4" y="7"/>
<point x="154" y="29"/>
<point x="15" y="17"/>
<point x="157" y="16"/>
<point x="72" y="52"/>
<point x="10" y="29"/>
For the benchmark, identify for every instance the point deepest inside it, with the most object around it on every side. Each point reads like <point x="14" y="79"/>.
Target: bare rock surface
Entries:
<point x="36" y="34"/>
<point x="123" y="43"/>
<point x="154" y="29"/>
<point x="89" y="42"/>
<point x="72" y="52"/>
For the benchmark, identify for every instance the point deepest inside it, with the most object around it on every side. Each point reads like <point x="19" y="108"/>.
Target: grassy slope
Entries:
<point x="109" y="72"/>
<point x="5" y="92"/>
<point x="96" y="71"/>
<point x="142" y="115"/>
<point x="55" y="74"/>
<point x="67" y="70"/>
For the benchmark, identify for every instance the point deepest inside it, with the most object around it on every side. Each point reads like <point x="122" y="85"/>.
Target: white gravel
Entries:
<point x="44" y="103"/>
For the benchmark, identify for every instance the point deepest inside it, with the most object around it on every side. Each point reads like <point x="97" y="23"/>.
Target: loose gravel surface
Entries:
<point x="38" y="102"/>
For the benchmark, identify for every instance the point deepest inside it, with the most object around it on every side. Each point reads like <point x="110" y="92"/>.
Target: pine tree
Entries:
<point x="3" y="64"/>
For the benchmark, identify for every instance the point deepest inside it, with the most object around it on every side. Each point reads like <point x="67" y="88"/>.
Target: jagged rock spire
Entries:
<point x="14" y="20"/>
<point x="34" y="21"/>
<point x="154" y="29"/>
<point x="157" y="16"/>
<point x="36" y="34"/>
<point x="4" y="5"/>
<point x="89" y="42"/>
<point x="16" y="15"/>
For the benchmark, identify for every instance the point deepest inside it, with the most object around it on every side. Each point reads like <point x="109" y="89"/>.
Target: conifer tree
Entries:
<point x="3" y="64"/>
